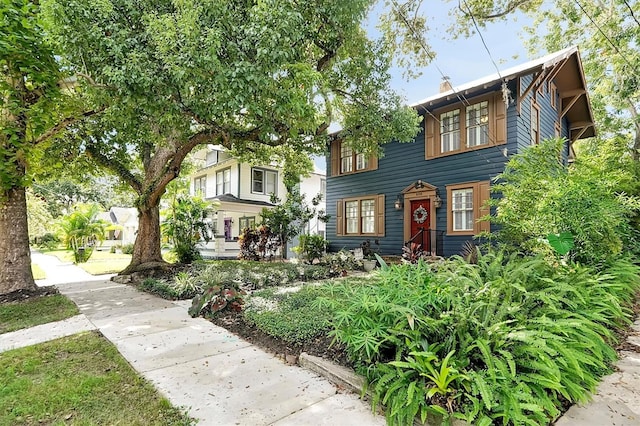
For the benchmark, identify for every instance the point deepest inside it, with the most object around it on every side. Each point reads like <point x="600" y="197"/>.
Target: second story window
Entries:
<point x="200" y="186"/>
<point x="346" y="160"/>
<point x="450" y="131"/>
<point x="223" y="182"/>
<point x="457" y="128"/>
<point x="478" y="124"/>
<point x="263" y="181"/>
<point x="323" y="188"/>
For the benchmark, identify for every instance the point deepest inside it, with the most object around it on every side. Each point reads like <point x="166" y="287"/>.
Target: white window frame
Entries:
<point x="462" y="212"/>
<point x="450" y="131"/>
<point x="360" y="216"/>
<point x="223" y="181"/>
<point x="200" y="186"/>
<point x="264" y="181"/>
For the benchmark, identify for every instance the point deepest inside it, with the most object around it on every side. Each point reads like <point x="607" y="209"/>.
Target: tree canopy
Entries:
<point x="264" y="79"/>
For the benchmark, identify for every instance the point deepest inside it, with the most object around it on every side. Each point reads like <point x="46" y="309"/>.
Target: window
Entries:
<point x="465" y="205"/>
<point x="458" y="128"/>
<point x="478" y="124"/>
<point x="263" y="181"/>
<point x="462" y="209"/>
<point x="200" y="186"/>
<point x="361" y="216"/>
<point x="247" y="222"/>
<point x="346" y="160"/>
<point x="323" y="188"/>
<point x="557" y="129"/>
<point x="535" y="124"/>
<point x="450" y="131"/>
<point x="223" y="182"/>
<point x="362" y="161"/>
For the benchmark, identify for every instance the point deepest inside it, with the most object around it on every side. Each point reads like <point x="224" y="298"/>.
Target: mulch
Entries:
<point x="24" y="294"/>
<point x="321" y="346"/>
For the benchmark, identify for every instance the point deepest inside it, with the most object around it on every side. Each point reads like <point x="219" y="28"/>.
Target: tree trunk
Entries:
<point x="146" y="249"/>
<point x="15" y="255"/>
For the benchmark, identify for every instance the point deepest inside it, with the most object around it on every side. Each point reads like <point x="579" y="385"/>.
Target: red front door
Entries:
<point x="420" y="220"/>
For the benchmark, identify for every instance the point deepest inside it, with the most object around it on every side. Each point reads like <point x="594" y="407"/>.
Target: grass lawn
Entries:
<point x="100" y="262"/>
<point x="80" y="380"/>
<point x="40" y="310"/>
<point x="38" y="273"/>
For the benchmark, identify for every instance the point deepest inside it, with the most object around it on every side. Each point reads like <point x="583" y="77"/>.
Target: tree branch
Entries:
<point x="64" y="123"/>
<point x="510" y="7"/>
<point x="92" y="81"/>
<point x="120" y="170"/>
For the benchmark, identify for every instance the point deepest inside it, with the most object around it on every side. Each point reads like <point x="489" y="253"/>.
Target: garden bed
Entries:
<point x="319" y="346"/>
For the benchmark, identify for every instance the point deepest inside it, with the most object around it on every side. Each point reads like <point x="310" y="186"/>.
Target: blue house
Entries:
<point x="432" y="191"/>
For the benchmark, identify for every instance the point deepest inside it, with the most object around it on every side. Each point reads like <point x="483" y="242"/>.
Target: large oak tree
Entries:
<point x="36" y="104"/>
<point x="265" y="79"/>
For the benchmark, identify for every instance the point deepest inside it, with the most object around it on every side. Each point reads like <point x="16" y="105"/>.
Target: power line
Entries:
<point x="459" y="95"/>
<point x="475" y="24"/>
<point x="631" y="11"/>
<point x="604" y="35"/>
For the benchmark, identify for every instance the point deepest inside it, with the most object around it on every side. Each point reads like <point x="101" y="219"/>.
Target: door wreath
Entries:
<point x="420" y="214"/>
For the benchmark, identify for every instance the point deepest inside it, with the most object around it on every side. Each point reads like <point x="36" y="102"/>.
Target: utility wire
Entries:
<point x="631" y="11"/>
<point x="459" y="95"/>
<point x="475" y="24"/>
<point x="604" y="35"/>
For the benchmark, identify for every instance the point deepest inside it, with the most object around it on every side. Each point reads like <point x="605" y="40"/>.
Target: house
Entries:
<point x="432" y="191"/>
<point x="123" y="226"/>
<point x="239" y="192"/>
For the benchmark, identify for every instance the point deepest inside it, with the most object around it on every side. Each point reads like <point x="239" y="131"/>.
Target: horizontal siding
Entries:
<point x="404" y="164"/>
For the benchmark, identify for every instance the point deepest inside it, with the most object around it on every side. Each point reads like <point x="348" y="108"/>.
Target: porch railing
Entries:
<point x="431" y="240"/>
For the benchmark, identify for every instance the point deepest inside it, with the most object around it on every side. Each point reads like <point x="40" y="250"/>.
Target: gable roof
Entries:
<point x="564" y="66"/>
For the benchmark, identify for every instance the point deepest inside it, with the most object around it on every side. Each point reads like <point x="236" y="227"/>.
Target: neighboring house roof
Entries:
<point x="228" y="198"/>
<point x="564" y="66"/>
<point x="105" y="216"/>
<point x="124" y="215"/>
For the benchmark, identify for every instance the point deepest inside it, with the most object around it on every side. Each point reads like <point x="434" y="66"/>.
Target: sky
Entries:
<point x="463" y="59"/>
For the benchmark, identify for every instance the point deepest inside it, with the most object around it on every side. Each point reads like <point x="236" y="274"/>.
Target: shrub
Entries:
<point x="159" y="287"/>
<point x="293" y="318"/>
<point x="216" y="299"/>
<point x="186" y="225"/>
<point x="312" y="247"/>
<point x="341" y="261"/>
<point x="127" y="249"/>
<point x="542" y="196"/>
<point x="258" y="244"/>
<point x="510" y="339"/>
<point x="48" y="241"/>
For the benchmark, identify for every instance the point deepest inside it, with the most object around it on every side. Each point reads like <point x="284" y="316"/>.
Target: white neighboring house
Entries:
<point x="126" y="221"/>
<point x="239" y="192"/>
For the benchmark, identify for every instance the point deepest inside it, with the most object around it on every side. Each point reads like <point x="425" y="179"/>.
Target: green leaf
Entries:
<point x="562" y="243"/>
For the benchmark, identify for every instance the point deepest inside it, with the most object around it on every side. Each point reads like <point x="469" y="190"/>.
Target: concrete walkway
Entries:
<point x="220" y="378"/>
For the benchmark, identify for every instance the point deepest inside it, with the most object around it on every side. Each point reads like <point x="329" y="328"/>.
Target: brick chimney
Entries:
<point x="445" y="84"/>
